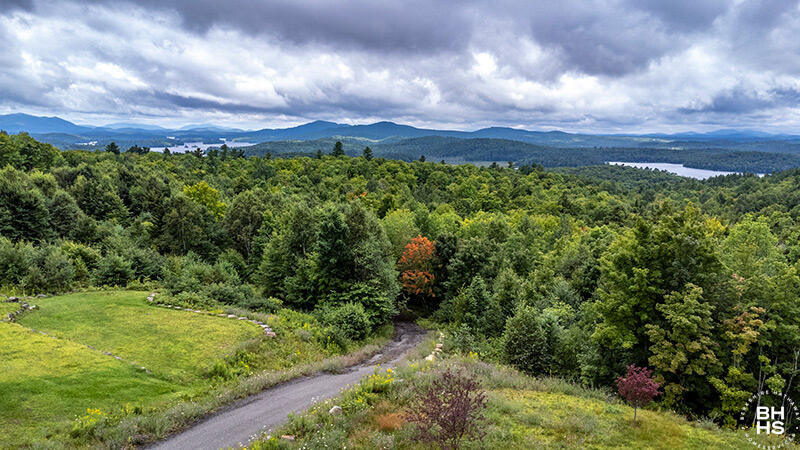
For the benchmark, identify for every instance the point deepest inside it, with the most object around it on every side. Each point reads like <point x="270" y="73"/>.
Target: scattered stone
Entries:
<point x="231" y="316"/>
<point x="41" y="296"/>
<point x="242" y="318"/>
<point x="139" y="439"/>
<point x="288" y="437"/>
<point x="335" y="411"/>
<point x="430" y="357"/>
<point x="12" y="299"/>
<point x="271" y="334"/>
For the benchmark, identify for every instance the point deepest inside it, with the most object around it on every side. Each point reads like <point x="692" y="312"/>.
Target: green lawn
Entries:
<point x="6" y="308"/>
<point x="49" y="381"/>
<point x="46" y="382"/>
<point x="174" y="345"/>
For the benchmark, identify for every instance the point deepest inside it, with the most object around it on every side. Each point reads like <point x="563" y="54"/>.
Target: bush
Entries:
<point x="448" y="410"/>
<point x="377" y="305"/>
<point x="526" y="341"/>
<point x="351" y="319"/>
<point x="261" y="304"/>
<point x="113" y="270"/>
<point x="193" y="300"/>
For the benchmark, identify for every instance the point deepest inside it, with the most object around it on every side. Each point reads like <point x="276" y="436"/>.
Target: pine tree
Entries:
<point x="338" y="149"/>
<point x="367" y="153"/>
<point x="113" y="148"/>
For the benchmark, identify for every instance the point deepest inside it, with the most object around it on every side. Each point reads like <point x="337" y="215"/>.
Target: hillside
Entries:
<point x="81" y="365"/>
<point x="521" y="413"/>
<point x="486" y="151"/>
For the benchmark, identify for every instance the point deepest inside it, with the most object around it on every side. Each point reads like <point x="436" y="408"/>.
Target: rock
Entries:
<point x="430" y="357"/>
<point x="41" y="296"/>
<point x="242" y="318"/>
<point x="11" y="317"/>
<point x="12" y="299"/>
<point x="288" y="437"/>
<point x="335" y="411"/>
<point x="231" y="316"/>
<point x="270" y="334"/>
<point x="139" y="439"/>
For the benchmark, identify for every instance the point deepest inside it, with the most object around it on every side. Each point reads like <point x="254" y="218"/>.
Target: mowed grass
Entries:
<point x="45" y="383"/>
<point x="175" y="345"/>
<point x="6" y="307"/>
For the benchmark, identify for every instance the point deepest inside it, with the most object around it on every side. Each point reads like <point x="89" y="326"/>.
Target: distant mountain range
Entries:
<point x="386" y="135"/>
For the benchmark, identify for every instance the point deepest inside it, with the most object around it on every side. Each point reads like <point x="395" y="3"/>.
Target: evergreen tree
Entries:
<point x="367" y="153"/>
<point x="112" y="148"/>
<point x="338" y="149"/>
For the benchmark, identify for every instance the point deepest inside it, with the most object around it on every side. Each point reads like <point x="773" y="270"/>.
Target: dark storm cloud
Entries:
<point x="412" y="25"/>
<point x="742" y="101"/>
<point x="683" y="15"/>
<point x="10" y="5"/>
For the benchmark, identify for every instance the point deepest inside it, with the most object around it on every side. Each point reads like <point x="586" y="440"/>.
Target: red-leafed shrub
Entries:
<point x="448" y="410"/>
<point x="637" y="387"/>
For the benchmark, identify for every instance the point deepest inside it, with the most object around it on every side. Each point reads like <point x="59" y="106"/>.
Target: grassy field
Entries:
<point x="6" y="308"/>
<point x="50" y="383"/>
<point x="522" y="413"/>
<point x="173" y="345"/>
<point x="45" y="383"/>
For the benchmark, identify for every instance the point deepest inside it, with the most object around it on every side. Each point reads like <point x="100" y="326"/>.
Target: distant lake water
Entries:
<point x="677" y="169"/>
<point x="189" y="146"/>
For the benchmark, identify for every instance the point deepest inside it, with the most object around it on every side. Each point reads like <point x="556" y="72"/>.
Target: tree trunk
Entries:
<point x="635" y="408"/>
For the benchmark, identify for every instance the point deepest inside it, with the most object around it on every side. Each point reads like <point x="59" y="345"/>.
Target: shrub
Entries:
<point x="448" y="410"/>
<point x="350" y="318"/>
<point x="525" y="342"/>
<point x="637" y="387"/>
<point x="378" y="306"/>
<point x="113" y="270"/>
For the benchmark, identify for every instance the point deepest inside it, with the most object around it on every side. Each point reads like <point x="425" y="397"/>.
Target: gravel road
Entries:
<point x="240" y="422"/>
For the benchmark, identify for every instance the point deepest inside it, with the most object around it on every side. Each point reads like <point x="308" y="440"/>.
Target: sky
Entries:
<point x="576" y="65"/>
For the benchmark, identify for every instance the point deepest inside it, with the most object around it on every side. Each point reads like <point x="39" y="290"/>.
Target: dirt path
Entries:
<point x="243" y="420"/>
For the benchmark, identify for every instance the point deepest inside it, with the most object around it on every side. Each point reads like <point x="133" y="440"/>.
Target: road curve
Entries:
<point x="239" y="423"/>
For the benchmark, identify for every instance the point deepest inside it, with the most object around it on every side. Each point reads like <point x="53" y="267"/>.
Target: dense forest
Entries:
<point x="574" y="274"/>
<point x="482" y="150"/>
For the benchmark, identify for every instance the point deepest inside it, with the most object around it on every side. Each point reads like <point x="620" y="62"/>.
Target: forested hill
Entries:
<point x="504" y="150"/>
<point x="569" y="275"/>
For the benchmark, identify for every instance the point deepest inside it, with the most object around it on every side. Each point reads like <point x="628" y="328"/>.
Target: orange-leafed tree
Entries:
<point x="416" y="266"/>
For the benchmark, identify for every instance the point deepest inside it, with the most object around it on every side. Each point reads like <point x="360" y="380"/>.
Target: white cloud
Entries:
<point x="594" y="66"/>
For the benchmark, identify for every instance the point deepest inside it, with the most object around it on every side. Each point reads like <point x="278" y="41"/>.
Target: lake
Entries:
<point x="189" y="146"/>
<point x="677" y="169"/>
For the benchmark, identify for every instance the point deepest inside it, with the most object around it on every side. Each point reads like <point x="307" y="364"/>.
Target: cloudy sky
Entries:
<point x="576" y="65"/>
